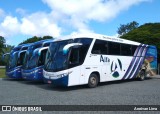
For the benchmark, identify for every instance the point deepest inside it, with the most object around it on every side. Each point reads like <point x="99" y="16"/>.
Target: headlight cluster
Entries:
<point x="33" y="72"/>
<point x="62" y="75"/>
<point x="53" y="76"/>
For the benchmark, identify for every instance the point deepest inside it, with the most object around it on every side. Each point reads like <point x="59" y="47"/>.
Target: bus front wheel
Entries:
<point x="93" y="80"/>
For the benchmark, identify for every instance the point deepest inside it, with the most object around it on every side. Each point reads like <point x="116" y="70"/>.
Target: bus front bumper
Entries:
<point x="63" y="81"/>
<point x="14" y="73"/>
<point x="33" y="74"/>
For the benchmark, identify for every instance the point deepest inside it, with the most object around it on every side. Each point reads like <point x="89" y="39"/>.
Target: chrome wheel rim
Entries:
<point x="93" y="80"/>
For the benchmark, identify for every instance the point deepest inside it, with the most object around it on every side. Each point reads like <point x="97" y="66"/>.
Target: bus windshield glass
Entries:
<point x="13" y="60"/>
<point x="57" y="60"/>
<point x="33" y="61"/>
<point x="28" y="55"/>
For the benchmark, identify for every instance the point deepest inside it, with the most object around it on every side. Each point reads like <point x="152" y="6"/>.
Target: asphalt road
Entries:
<point x="130" y="92"/>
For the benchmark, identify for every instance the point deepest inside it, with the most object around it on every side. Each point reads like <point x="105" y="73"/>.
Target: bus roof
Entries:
<point x="98" y="36"/>
<point x="43" y="42"/>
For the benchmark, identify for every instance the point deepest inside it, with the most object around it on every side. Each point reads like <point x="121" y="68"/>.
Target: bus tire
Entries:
<point x="93" y="80"/>
<point x="142" y="75"/>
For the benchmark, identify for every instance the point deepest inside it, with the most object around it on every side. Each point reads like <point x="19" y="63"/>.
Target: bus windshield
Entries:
<point x="28" y="55"/>
<point x="33" y="61"/>
<point x="57" y="60"/>
<point x="13" y="60"/>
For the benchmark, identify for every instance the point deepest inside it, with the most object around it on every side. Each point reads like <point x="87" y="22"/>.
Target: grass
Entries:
<point x="2" y="73"/>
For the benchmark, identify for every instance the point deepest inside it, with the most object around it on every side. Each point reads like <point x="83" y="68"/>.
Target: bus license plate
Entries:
<point x="49" y="81"/>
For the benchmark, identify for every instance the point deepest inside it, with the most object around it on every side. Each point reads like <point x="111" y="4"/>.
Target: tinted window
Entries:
<point x="78" y="54"/>
<point x="20" y="61"/>
<point x="42" y="57"/>
<point x="100" y="47"/>
<point x="126" y="49"/>
<point x="36" y="46"/>
<point x="46" y="44"/>
<point x="24" y="48"/>
<point x="134" y="49"/>
<point x="114" y="48"/>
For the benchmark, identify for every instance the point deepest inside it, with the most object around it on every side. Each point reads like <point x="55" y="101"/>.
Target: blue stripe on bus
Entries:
<point x="140" y="65"/>
<point x="133" y="60"/>
<point x="137" y="62"/>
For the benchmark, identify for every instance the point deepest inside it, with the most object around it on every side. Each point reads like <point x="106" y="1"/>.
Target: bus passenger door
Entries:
<point x="75" y="65"/>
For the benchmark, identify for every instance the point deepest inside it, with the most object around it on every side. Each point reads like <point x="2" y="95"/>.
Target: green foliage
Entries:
<point x="35" y="39"/>
<point x="7" y="49"/>
<point x="148" y="33"/>
<point x="2" y="45"/>
<point x="2" y="73"/>
<point x="125" y="28"/>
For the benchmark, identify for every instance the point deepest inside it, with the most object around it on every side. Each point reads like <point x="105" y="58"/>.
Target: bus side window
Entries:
<point x="134" y="49"/>
<point x="74" y="57"/>
<point x="100" y="47"/>
<point x="126" y="50"/>
<point x="20" y="60"/>
<point x="41" y="60"/>
<point x="114" y="48"/>
<point x="46" y="44"/>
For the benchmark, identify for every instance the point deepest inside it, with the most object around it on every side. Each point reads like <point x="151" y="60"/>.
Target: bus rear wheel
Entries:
<point x="93" y="80"/>
<point x="142" y="75"/>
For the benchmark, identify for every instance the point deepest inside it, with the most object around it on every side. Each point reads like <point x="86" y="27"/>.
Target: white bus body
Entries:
<point x="106" y="59"/>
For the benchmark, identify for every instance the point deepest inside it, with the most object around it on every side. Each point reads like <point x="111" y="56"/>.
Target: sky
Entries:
<point x="22" y="19"/>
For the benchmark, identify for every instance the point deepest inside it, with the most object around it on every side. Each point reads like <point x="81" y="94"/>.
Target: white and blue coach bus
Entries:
<point x="93" y="58"/>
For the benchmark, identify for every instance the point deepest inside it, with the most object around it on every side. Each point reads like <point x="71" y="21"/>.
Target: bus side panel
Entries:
<point x="117" y="67"/>
<point x="109" y="67"/>
<point x="75" y="76"/>
<point x="151" y="61"/>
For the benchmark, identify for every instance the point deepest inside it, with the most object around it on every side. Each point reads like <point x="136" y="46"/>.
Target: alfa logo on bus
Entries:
<point x="116" y="67"/>
<point x="104" y="59"/>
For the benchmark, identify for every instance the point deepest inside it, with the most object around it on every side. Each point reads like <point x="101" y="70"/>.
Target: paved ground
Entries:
<point x="17" y="92"/>
<point x="129" y="92"/>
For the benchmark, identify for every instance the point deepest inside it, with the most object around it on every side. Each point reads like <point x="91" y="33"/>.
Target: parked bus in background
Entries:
<point x="34" y="60"/>
<point x="16" y="56"/>
<point x="93" y="58"/>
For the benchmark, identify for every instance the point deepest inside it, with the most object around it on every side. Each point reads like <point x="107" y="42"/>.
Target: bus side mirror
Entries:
<point x="66" y="47"/>
<point x="21" y="52"/>
<point x="41" y="49"/>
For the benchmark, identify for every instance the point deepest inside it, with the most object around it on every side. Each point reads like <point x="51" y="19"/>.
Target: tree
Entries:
<point x="125" y="28"/>
<point x="7" y="49"/>
<point x="2" y="43"/>
<point x="148" y="33"/>
<point x="47" y="37"/>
